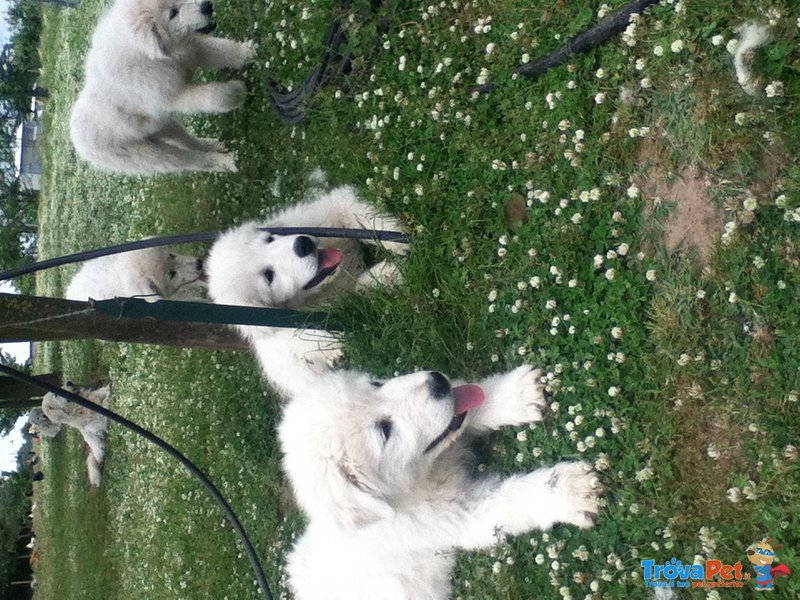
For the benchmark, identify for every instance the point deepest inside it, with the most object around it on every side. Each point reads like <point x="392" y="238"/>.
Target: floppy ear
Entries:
<point x="357" y="502"/>
<point x="149" y="32"/>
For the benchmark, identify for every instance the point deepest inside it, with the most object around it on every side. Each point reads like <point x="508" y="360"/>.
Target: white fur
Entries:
<point x="150" y="272"/>
<point x="238" y="260"/>
<point x="387" y="514"/>
<point x="92" y="426"/>
<point x="752" y="36"/>
<point x="139" y="80"/>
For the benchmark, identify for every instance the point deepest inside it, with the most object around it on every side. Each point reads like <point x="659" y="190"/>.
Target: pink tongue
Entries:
<point x="467" y="397"/>
<point x="328" y="258"/>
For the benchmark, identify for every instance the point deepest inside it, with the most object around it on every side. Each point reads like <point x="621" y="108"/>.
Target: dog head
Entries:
<point x="44" y="425"/>
<point x="161" y="24"/>
<point x="252" y="267"/>
<point x="183" y="273"/>
<point x="355" y="448"/>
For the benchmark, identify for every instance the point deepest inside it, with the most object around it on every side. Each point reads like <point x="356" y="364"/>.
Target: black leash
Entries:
<point x="207" y="236"/>
<point x="172" y="451"/>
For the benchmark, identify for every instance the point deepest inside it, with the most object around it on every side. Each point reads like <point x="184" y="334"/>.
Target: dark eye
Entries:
<point x="270" y="239"/>
<point x="269" y="275"/>
<point x="173" y="12"/>
<point x="385" y="426"/>
<point x="376" y="384"/>
<point x="172" y="274"/>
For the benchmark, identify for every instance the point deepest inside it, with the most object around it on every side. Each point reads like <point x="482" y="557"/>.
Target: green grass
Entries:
<point x="693" y="406"/>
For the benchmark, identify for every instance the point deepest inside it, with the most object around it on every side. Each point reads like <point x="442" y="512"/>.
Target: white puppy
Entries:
<point x="250" y="266"/>
<point x="382" y="471"/>
<point x="150" y="272"/>
<point x="57" y="411"/>
<point x="139" y="79"/>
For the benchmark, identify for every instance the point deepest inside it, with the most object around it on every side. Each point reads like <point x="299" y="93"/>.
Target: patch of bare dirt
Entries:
<point x="695" y="222"/>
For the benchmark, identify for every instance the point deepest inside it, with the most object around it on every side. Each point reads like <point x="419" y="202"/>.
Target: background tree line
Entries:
<point x="20" y="65"/>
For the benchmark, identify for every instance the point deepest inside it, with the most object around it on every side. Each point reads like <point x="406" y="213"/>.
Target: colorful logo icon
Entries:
<point x="762" y="555"/>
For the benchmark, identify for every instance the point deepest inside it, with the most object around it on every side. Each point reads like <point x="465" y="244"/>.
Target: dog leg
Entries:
<point x="176" y="135"/>
<point x="290" y="359"/>
<point x="220" y="53"/>
<point x="159" y="156"/>
<point x="565" y="493"/>
<point x="216" y="97"/>
<point x="513" y="398"/>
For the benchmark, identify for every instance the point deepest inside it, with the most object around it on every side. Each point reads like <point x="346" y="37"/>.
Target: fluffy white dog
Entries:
<point x="382" y="471"/>
<point x="57" y="411"/>
<point x="249" y="266"/>
<point x="139" y="79"/>
<point x="150" y="272"/>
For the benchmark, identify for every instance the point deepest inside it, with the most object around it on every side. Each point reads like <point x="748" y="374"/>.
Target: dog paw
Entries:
<point x="233" y="96"/>
<point x="222" y="162"/>
<point x="515" y="398"/>
<point x="391" y="223"/>
<point x="248" y="51"/>
<point x="576" y="490"/>
<point x="384" y="273"/>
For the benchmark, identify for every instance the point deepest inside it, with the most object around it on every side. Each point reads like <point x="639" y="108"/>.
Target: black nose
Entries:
<point x="439" y="385"/>
<point x="207" y="8"/>
<point x="199" y="265"/>
<point x="304" y="245"/>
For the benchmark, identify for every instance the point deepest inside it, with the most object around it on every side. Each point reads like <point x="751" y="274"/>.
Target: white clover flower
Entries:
<point x="599" y="97"/>
<point x="774" y="89"/>
<point x="535" y="282"/>
<point x="613" y="391"/>
<point x="633" y="191"/>
<point x="732" y="45"/>
<point x="522" y="350"/>
<point x="712" y="451"/>
<point x="658" y="50"/>
<point x="758" y="262"/>
<point x="572" y="283"/>
<point x="610" y="274"/>
<point x="550" y="304"/>
<point x="492" y="295"/>
<point x="600" y="73"/>
<point x="740" y="118"/>
<point x="526" y="58"/>
<point x="790" y="453"/>
<point x="598" y="260"/>
<point x="605" y="9"/>
<point x="576" y="218"/>
<point x="645" y="474"/>
<point x="750" y="203"/>
<point x="717" y="40"/>
<point x="640" y="64"/>
<point x="616" y="333"/>
<point x="490" y="48"/>
<point x="522" y="436"/>
<point x="650" y="275"/>
<point x="676" y="46"/>
<point x="645" y="83"/>
<point x="539" y="560"/>
<point x="622" y="249"/>
<point x="732" y="298"/>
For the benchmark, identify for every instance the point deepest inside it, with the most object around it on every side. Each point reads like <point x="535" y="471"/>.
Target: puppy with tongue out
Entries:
<point x="384" y="474"/>
<point x="250" y="266"/>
